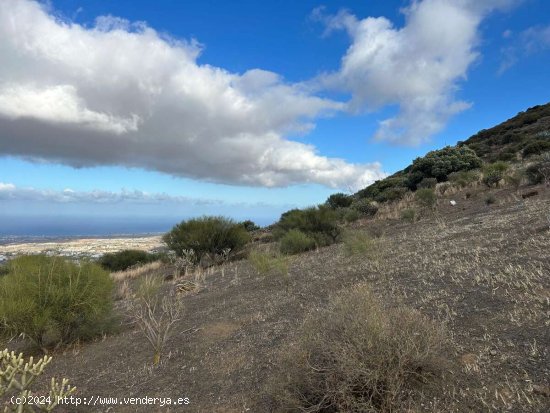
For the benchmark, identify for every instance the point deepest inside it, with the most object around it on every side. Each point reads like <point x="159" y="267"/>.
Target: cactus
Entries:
<point x="16" y="378"/>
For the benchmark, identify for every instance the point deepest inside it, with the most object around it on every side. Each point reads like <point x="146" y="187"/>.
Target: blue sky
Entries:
<point x="171" y="109"/>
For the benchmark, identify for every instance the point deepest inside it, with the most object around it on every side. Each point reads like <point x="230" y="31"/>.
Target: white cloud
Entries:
<point x="530" y="41"/>
<point x="119" y="93"/>
<point x="9" y="191"/>
<point x="418" y="67"/>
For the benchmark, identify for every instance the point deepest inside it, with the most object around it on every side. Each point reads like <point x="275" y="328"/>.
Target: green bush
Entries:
<point x="429" y="183"/>
<point x="295" y="241"/>
<point x="375" y="190"/>
<point x="463" y="178"/>
<point x="358" y="355"/>
<point x="319" y="223"/>
<point x="53" y="301"/>
<point x="440" y="163"/>
<point x="536" y="148"/>
<point x="250" y="226"/>
<point x="408" y="215"/>
<point x="339" y="200"/>
<point x="122" y="260"/>
<point x="365" y="207"/>
<point x="348" y="214"/>
<point x="494" y="173"/>
<point x="426" y="197"/>
<point x="490" y="199"/>
<point x="207" y="235"/>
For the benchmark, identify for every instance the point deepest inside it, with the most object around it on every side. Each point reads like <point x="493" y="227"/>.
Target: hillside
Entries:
<point x="481" y="270"/>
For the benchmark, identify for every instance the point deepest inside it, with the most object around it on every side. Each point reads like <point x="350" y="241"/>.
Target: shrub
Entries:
<point x="536" y="148"/>
<point x="426" y="197"/>
<point x="359" y="243"/>
<point x="463" y="178"/>
<point x="266" y="262"/>
<point x="358" y="356"/>
<point x="494" y="173"/>
<point x="207" y="235"/>
<point x="348" y="214"/>
<point x="539" y="172"/>
<point x="391" y="194"/>
<point x="155" y="313"/>
<point x="375" y="190"/>
<point x="490" y="199"/>
<point x="408" y="215"/>
<point x="250" y="226"/>
<point x="122" y="260"/>
<point x="16" y="378"/>
<point x="365" y="207"/>
<point x="52" y="301"/>
<point x="429" y="183"/>
<point x="339" y="200"/>
<point x="319" y="223"/>
<point x="440" y="163"/>
<point x="295" y="242"/>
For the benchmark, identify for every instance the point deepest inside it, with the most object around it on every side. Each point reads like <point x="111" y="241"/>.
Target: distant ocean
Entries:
<point x="37" y="229"/>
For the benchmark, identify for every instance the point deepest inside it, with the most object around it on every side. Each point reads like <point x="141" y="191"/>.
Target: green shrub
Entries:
<point x="357" y="355"/>
<point x="365" y="207"/>
<point x="339" y="200"/>
<point x="536" y="148"/>
<point x="408" y="215"/>
<point x="52" y="301"/>
<point x="375" y="190"/>
<point x="391" y="194"/>
<point x="494" y="173"/>
<point x="207" y="235"/>
<point x="490" y="199"/>
<point x="464" y="178"/>
<point x="359" y="243"/>
<point x="295" y="241"/>
<point x="426" y="197"/>
<point x="250" y="226"/>
<point x="429" y="183"/>
<point x="348" y="214"/>
<point x="265" y="262"/>
<point x="122" y="260"/>
<point x="440" y="163"/>
<point x="319" y="223"/>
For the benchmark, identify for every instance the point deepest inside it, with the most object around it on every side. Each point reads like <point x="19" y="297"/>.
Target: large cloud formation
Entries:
<point x="417" y="67"/>
<point x="122" y="94"/>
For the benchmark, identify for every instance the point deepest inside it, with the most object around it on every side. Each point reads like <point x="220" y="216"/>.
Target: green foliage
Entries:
<point x="440" y="163"/>
<point x="429" y="183"/>
<point x="122" y="260"/>
<point x="295" y="241"/>
<point x="52" y="301"/>
<point x="265" y="262"/>
<point x="359" y="243"/>
<point x="383" y="190"/>
<point x="365" y="207"/>
<point x="426" y="197"/>
<point x="319" y="223"/>
<point x="339" y="200"/>
<point x="250" y="226"/>
<point x="408" y="215"/>
<point x="494" y="173"/>
<point x="464" y="178"/>
<point x="17" y="375"/>
<point x="536" y="148"/>
<point x="207" y="235"/>
<point x="348" y="214"/>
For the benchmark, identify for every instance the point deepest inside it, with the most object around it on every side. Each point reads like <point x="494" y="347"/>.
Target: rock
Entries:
<point x="453" y="202"/>
<point x="529" y="194"/>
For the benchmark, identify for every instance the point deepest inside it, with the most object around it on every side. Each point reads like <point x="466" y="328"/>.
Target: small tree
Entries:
<point x="339" y="200"/>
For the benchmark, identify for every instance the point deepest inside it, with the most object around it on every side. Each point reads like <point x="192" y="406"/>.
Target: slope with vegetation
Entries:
<point x="424" y="292"/>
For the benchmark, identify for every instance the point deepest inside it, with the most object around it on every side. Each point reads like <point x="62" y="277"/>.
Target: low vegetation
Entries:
<point x="122" y="260"/>
<point x="17" y="377"/>
<point x="52" y="301"/>
<point x="295" y="241"/>
<point x="357" y="355"/>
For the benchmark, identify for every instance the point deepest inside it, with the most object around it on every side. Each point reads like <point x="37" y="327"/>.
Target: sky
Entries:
<point x="154" y="112"/>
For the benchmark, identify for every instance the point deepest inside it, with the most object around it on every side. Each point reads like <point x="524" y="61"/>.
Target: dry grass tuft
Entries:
<point x="135" y="272"/>
<point x="358" y="356"/>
